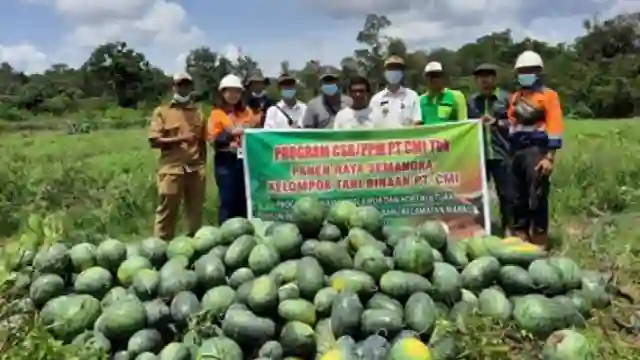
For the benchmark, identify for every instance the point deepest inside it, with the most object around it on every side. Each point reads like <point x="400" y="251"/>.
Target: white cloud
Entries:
<point x="94" y="8"/>
<point x="24" y="57"/>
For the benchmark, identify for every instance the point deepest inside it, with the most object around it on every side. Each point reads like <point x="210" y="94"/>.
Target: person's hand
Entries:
<point x="545" y="167"/>
<point x="488" y="119"/>
<point x="237" y="131"/>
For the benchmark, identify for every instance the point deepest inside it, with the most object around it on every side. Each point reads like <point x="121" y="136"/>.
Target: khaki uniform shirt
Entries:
<point x="172" y="121"/>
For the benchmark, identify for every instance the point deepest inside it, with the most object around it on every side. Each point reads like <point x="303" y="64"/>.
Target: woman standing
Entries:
<point x="227" y="122"/>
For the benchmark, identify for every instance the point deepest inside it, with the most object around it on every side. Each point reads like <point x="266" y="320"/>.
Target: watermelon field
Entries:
<point x="81" y="277"/>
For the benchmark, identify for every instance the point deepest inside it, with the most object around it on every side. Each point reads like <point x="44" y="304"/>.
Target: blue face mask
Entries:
<point x="393" y="76"/>
<point x="288" y="93"/>
<point x="527" y="79"/>
<point x="330" y="89"/>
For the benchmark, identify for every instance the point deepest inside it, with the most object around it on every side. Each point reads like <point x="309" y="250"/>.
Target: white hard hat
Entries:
<point x="230" y="81"/>
<point x="433" y="66"/>
<point x="181" y="76"/>
<point x="529" y="59"/>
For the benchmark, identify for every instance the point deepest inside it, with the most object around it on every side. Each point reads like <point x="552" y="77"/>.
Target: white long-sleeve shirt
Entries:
<point x="275" y="119"/>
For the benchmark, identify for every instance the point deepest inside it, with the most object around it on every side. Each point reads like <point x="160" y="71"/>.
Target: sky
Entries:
<point x="37" y="33"/>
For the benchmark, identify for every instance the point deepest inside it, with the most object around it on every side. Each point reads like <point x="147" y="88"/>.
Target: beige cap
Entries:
<point x="181" y="76"/>
<point x="395" y="60"/>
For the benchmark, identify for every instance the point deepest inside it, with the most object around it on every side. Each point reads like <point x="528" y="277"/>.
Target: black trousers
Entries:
<point x="531" y="210"/>
<point x="499" y="170"/>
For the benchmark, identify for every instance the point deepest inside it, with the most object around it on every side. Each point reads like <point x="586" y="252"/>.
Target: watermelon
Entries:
<point x="568" y="344"/>
<point x="409" y="348"/>
<point x="110" y="254"/>
<point x="546" y="277"/>
<point x="133" y="250"/>
<point x="95" y="281"/>
<point x="288" y="291"/>
<point x="346" y="312"/>
<point x="516" y="280"/>
<point x="184" y="305"/>
<point x="333" y="257"/>
<point x="539" y="315"/>
<point x="434" y="232"/>
<point x="298" y="310"/>
<point x="263" y="295"/>
<point x="415" y="255"/>
<point x="480" y="273"/>
<point x="177" y="263"/>
<point x="220" y="348"/>
<point x="146" y="356"/>
<point x="172" y="284"/>
<point x="210" y="271"/>
<point x="494" y="303"/>
<point x="53" y="259"/>
<point x="175" y="351"/>
<point x="455" y="253"/>
<point x="69" y="315"/>
<point x="238" y="253"/>
<point x="329" y="232"/>
<point x="355" y="281"/>
<point x="180" y="246"/>
<point x="372" y="261"/>
<point x="263" y="258"/>
<point x="92" y="341"/>
<point x="298" y="339"/>
<point x="310" y="277"/>
<point x="594" y="289"/>
<point x="206" y="239"/>
<point x="286" y="271"/>
<point x="520" y="253"/>
<point x="287" y="240"/>
<point x="83" y="256"/>
<point x="158" y="313"/>
<point x="246" y="328"/>
<point x="447" y="283"/>
<point x="154" y="249"/>
<point x="570" y="272"/>
<point x="123" y="319"/>
<point x="116" y="294"/>
<point x="382" y="301"/>
<point x="45" y="288"/>
<point x="420" y="313"/>
<point x="368" y="218"/>
<point x="217" y="300"/>
<point x="323" y="300"/>
<point x="271" y="350"/>
<point x="145" y="340"/>
<point x="358" y="238"/>
<point x="339" y="214"/>
<point x="130" y="267"/>
<point x="381" y="321"/>
<point x="400" y="284"/>
<point x="239" y="277"/>
<point x="145" y="283"/>
<point x="233" y="228"/>
<point x="307" y="214"/>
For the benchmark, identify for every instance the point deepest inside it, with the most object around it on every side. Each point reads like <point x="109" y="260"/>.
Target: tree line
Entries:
<point x="597" y="75"/>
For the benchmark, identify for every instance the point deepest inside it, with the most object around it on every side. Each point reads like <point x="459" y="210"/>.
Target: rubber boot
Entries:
<point x="540" y="239"/>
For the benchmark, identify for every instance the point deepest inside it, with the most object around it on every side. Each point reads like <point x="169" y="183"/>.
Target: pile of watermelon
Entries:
<point x="333" y="283"/>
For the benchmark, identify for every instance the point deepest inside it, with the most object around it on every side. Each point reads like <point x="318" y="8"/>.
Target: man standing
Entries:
<point x="399" y="105"/>
<point x="287" y="113"/>
<point x="360" y="115"/>
<point x="490" y="105"/>
<point x="321" y="111"/>
<point x="259" y="102"/>
<point x="178" y="130"/>
<point x="440" y="104"/>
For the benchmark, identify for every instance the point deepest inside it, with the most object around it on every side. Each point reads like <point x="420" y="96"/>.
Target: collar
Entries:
<point x="401" y="91"/>
<point x="177" y="105"/>
<point x="296" y="106"/>
<point x="494" y="95"/>
<point x="431" y="95"/>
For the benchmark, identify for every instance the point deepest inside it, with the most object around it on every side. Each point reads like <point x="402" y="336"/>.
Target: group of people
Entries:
<point x="523" y="130"/>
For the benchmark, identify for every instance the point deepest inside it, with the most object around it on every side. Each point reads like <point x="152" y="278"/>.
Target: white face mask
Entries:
<point x="181" y="99"/>
<point x="260" y="94"/>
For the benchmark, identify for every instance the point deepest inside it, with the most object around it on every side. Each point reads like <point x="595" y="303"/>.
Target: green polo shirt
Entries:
<point x="440" y="108"/>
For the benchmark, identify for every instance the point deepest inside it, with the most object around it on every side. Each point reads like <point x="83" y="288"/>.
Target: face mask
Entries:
<point x="259" y="94"/>
<point x="181" y="99"/>
<point x="330" y="89"/>
<point x="288" y="93"/>
<point x="527" y="79"/>
<point x="393" y="76"/>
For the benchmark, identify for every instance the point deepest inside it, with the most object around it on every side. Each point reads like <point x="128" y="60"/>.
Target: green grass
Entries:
<point x="104" y="183"/>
